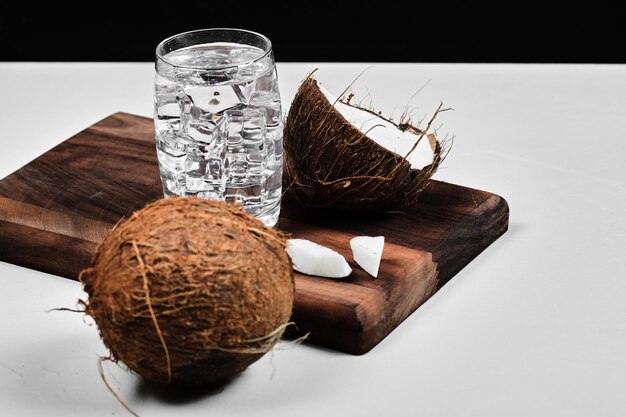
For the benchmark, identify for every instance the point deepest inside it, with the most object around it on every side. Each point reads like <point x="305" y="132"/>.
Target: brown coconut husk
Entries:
<point x="190" y="291"/>
<point x="331" y="163"/>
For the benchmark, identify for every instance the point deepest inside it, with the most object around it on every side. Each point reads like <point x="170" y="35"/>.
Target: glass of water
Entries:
<point x="217" y="116"/>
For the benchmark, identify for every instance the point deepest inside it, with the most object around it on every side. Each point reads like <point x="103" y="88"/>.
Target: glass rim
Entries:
<point x="266" y="51"/>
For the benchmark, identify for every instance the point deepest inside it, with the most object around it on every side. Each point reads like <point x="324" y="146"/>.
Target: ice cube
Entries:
<point x="215" y="169"/>
<point x="251" y="192"/>
<point x="172" y="184"/>
<point x="195" y="185"/>
<point x="214" y="77"/>
<point x="236" y="165"/>
<point x="175" y="164"/>
<point x="243" y="91"/>
<point x="201" y="131"/>
<point x="273" y="178"/>
<point x="183" y="100"/>
<point x="210" y="194"/>
<point x="253" y="127"/>
<point x="204" y="77"/>
<point x="229" y="129"/>
<point x="244" y="130"/>
<point x="168" y="144"/>
<point x="181" y="145"/>
<point x="184" y="105"/>
<point x="195" y="166"/>
<point x="270" y="102"/>
<point x="270" y="150"/>
<point x="256" y="162"/>
<point x="166" y="103"/>
<point x="213" y="99"/>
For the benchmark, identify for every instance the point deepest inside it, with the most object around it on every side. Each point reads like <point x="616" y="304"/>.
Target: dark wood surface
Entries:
<point x="55" y="210"/>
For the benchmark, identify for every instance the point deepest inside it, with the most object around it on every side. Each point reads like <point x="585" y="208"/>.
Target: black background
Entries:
<point x="322" y="31"/>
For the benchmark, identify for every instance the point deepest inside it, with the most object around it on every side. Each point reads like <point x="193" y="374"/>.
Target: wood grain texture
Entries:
<point x="55" y="210"/>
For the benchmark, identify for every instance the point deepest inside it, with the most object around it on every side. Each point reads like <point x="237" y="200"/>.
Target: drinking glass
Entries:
<point x="217" y="117"/>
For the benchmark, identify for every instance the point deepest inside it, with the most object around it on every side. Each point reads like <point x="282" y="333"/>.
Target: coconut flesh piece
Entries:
<point x="367" y="252"/>
<point x="385" y="133"/>
<point x="313" y="259"/>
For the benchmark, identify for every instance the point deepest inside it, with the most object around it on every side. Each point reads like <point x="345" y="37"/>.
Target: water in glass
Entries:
<point x="218" y="126"/>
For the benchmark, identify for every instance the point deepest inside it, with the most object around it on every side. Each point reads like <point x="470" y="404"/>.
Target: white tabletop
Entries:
<point x="536" y="325"/>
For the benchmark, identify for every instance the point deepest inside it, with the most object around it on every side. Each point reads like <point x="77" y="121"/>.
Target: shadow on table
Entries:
<point x="173" y="394"/>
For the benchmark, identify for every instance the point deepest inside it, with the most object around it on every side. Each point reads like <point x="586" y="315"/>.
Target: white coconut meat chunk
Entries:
<point x="385" y="133"/>
<point x="367" y="251"/>
<point x="312" y="259"/>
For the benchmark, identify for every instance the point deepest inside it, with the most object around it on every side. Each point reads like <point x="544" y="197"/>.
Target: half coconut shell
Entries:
<point x="331" y="162"/>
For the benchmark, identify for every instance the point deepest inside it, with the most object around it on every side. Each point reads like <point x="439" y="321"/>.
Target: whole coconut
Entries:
<point x="190" y="291"/>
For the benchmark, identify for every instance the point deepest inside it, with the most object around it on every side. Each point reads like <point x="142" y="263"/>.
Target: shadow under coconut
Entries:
<point x="179" y="394"/>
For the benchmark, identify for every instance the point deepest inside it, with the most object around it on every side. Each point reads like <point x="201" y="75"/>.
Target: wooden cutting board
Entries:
<point x="55" y="210"/>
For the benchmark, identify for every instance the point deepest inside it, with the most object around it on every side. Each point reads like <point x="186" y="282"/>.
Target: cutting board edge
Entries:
<point x="59" y="253"/>
<point x="497" y="209"/>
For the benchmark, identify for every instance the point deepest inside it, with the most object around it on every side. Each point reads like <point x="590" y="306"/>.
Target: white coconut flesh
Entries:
<point x="367" y="251"/>
<point x="385" y="133"/>
<point x="313" y="259"/>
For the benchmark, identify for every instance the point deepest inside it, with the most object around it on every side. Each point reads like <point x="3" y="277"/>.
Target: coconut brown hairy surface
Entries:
<point x="190" y="291"/>
<point x="331" y="162"/>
